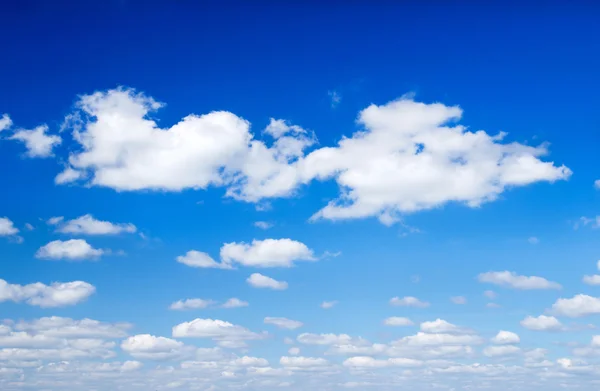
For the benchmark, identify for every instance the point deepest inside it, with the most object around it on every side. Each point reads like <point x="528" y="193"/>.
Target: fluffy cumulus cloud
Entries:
<point x="7" y="227"/>
<point x="88" y="225"/>
<point x="266" y="253"/>
<point x="72" y="250"/>
<point x="191" y="304"/>
<point x="515" y="281"/>
<point x="577" y="306"/>
<point x="38" y="142"/>
<point x="506" y="338"/>
<point x="227" y="334"/>
<point x="57" y="294"/>
<point x="542" y="323"/>
<point x="414" y="156"/>
<point x="260" y="253"/>
<point x="258" y="280"/>
<point x="5" y="122"/>
<point x="150" y="347"/>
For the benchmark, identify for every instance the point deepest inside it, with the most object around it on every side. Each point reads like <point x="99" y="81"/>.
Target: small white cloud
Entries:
<point x="73" y="250"/>
<point x="235" y="303"/>
<point x="328" y="304"/>
<point x="57" y="294"/>
<point x="542" y="323"/>
<point x="55" y="220"/>
<point x="506" y="338"/>
<point x="515" y="281"/>
<point x="490" y="295"/>
<point x="68" y="175"/>
<point x="499" y="351"/>
<point x="200" y="259"/>
<point x="37" y="142"/>
<point x="577" y="306"/>
<point x="459" y="300"/>
<point x="592" y="280"/>
<point x="191" y="304"/>
<point x="597" y="184"/>
<point x="7" y="227"/>
<point x="263" y="224"/>
<point x="294" y="351"/>
<point x="533" y="240"/>
<point x="215" y="329"/>
<point x="29" y="227"/>
<point x="88" y="225"/>
<point x="258" y="280"/>
<point x="150" y="347"/>
<point x="5" y="122"/>
<point x="397" y="321"/>
<point x="440" y="326"/>
<point x="335" y="97"/>
<point x="408" y="301"/>
<point x="267" y="253"/>
<point x="284" y="323"/>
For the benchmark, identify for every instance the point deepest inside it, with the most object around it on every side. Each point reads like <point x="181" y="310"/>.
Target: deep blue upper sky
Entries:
<point x="526" y="69"/>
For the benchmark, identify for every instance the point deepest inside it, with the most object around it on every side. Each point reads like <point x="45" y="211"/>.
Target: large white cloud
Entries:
<point x="515" y="281"/>
<point x="73" y="250"/>
<point x="57" y="294"/>
<point x="88" y="225"/>
<point x="412" y="157"/>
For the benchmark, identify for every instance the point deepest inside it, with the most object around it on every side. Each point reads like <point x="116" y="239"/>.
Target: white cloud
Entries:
<point x="370" y="362"/>
<point x="397" y="321"/>
<point x="55" y="220"/>
<point x="490" y="295"/>
<point x="328" y="304"/>
<point x="284" y="323"/>
<point x="57" y="294"/>
<point x="303" y="362"/>
<point x="200" y="259"/>
<point x="533" y="240"/>
<point x="263" y="224"/>
<point x="335" y="97"/>
<point x="452" y="164"/>
<point x="294" y="351"/>
<point x="37" y="142"/>
<point x="266" y="253"/>
<point x="577" y="306"/>
<point x="5" y="122"/>
<point x="542" y="323"/>
<point x="597" y="184"/>
<point x="235" y="303"/>
<point x="592" y="280"/>
<point x="499" y="351"/>
<point x="68" y="175"/>
<point x="459" y="300"/>
<point x="73" y="249"/>
<point x="506" y="338"/>
<point x="217" y="330"/>
<point x="408" y="301"/>
<point x="191" y="304"/>
<point x="515" y="281"/>
<point x="7" y="227"/>
<point x="443" y="327"/>
<point x="258" y="280"/>
<point x="438" y="339"/>
<point x="58" y="327"/>
<point x="150" y="347"/>
<point x="324" y="339"/>
<point x="29" y="227"/>
<point x="88" y="225"/>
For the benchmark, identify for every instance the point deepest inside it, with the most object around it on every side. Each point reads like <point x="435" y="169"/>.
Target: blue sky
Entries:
<point x="397" y="197"/>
